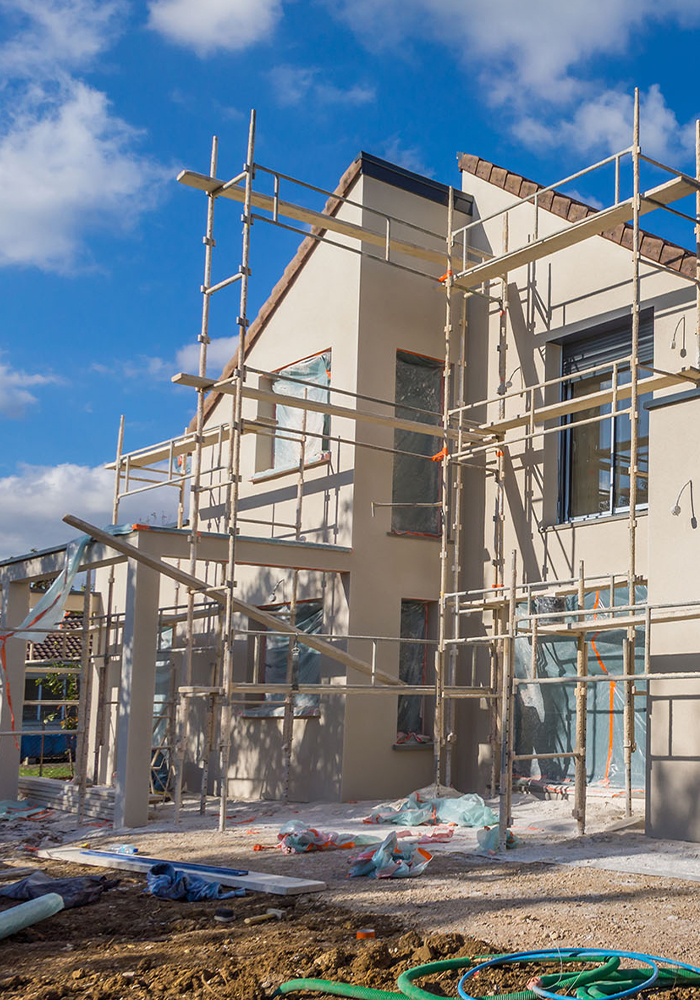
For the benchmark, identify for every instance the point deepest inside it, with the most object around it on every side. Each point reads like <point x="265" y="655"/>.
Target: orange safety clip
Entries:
<point x="440" y="455"/>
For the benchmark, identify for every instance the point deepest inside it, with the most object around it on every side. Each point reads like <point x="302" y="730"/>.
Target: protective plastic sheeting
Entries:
<point x="462" y="810"/>
<point x="306" y="663"/>
<point x="287" y="448"/>
<point x="545" y="717"/>
<point x="415" y="481"/>
<point x="390" y="860"/>
<point x="412" y="662"/>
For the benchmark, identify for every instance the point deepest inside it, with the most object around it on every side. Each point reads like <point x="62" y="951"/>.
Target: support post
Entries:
<point x="634" y="449"/>
<point x="441" y="655"/>
<point x="507" y="712"/>
<point x="15" y="606"/>
<point x="84" y="699"/>
<point x="137" y="691"/>
<point x="581" y="717"/>
<point x="234" y="465"/>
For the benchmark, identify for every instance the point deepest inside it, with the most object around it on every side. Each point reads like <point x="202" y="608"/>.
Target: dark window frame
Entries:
<point x="438" y="364"/>
<point x="619" y="330"/>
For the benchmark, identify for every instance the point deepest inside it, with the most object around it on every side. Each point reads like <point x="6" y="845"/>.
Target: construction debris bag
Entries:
<point x="78" y="891"/>
<point x="461" y="810"/>
<point x="390" y="860"/>
<point x="297" y="838"/>
<point x="166" y="882"/>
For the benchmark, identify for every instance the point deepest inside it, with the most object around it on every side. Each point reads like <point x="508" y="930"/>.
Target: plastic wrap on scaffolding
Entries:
<point x="287" y="448"/>
<point x="545" y="716"/>
<point x="412" y="660"/>
<point x="306" y="663"/>
<point x="415" y="481"/>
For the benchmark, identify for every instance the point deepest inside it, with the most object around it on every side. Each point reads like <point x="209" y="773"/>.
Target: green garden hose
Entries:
<point x="597" y="983"/>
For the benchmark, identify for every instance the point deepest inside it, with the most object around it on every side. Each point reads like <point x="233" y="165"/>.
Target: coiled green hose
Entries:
<point x="590" y="984"/>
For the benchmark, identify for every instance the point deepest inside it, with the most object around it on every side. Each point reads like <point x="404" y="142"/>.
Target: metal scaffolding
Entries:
<point x="476" y="434"/>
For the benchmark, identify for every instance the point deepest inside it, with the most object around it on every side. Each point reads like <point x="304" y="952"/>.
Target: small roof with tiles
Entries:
<point x="653" y="247"/>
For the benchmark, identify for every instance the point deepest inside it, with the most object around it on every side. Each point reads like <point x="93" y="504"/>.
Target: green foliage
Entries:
<point x="62" y="686"/>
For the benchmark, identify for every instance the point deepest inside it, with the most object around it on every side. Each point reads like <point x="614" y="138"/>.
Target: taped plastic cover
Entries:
<point x="287" y="451"/>
<point x="418" y="383"/>
<point x="545" y="715"/>
<point x="306" y="665"/>
<point x="412" y="658"/>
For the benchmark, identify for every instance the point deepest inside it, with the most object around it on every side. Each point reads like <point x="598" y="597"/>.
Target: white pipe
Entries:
<point x="29" y="913"/>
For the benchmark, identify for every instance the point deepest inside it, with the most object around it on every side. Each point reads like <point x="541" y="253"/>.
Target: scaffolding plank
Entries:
<point x="592" y="225"/>
<point x="312" y="218"/>
<point x="240" y="607"/>
<point x="379" y="419"/>
<point x="613" y="624"/>
<point x="279" y="885"/>
<point x="594" y="400"/>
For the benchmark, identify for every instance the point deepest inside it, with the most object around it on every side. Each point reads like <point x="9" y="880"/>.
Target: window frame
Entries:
<point x="257" y="669"/>
<point x="399" y="532"/>
<point x="622" y="328"/>
<point x="324" y="453"/>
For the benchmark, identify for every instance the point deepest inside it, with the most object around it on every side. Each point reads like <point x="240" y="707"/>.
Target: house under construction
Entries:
<point x="435" y="518"/>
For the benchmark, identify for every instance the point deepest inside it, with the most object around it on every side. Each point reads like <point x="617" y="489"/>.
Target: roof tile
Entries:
<point x="484" y="169"/>
<point x="653" y="247"/>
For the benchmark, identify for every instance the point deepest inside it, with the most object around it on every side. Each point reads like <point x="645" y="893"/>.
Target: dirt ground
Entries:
<point x="130" y="944"/>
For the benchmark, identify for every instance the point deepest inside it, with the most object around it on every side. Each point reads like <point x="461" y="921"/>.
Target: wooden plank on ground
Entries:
<point x="278" y="885"/>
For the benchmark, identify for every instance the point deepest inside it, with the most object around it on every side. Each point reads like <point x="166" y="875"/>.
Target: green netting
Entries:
<point x="545" y="717"/>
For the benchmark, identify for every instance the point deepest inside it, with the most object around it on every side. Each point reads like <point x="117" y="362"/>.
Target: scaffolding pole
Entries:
<point x="629" y="734"/>
<point x="233" y="496"/>
<point x="439" y="736"/>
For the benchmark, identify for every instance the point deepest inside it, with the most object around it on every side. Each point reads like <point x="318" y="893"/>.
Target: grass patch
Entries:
<point x="48" y="771"/>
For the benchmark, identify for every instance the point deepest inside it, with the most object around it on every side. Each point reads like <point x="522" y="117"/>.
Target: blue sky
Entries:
<point x="104" y="101"/>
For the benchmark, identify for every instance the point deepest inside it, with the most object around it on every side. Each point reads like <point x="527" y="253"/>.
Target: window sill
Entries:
<point x="592" y="519"/>
<point x="413" y="746"/>
<point x="414" y="534"/>
<point x="267" y="474"/>
<point x="313" y="713"/>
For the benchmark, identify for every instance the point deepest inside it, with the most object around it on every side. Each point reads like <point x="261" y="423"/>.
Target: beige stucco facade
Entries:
<point x="348" y="557"/>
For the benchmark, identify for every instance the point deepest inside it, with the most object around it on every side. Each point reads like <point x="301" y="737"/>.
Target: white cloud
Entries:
<point x="15" y="396"/>
<point x="34" y="500"/>
<point x="294" y="84"/>
<point x="208" y="26"/>
<point x="603" y="125"/>
<point x="539" y="45"/>
<point x="535" y="61"/>
<point x="219" y="352"/>
<point x="57" y="35"/>
<point x="409" y="157"/>
<point x="68" y="165"/>
<point x="147" y="368"/>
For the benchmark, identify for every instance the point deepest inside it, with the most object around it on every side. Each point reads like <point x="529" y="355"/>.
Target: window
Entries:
<point x="417" y="481"/>
<point x="413" y="659"/>
<point x="286" y="449"/>
<point x="306" y="666"/>
<point x="596" y="457"/>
